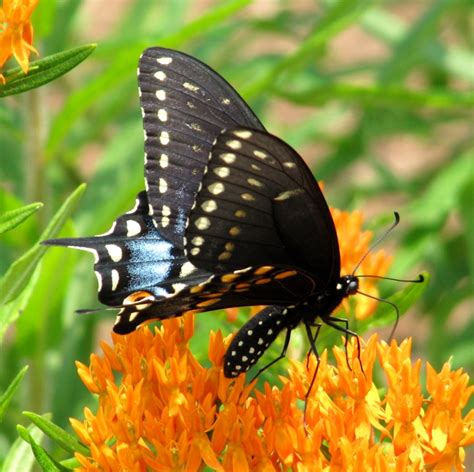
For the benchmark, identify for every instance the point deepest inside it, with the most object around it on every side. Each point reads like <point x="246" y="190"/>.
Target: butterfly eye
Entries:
<point x="352" y="285"/>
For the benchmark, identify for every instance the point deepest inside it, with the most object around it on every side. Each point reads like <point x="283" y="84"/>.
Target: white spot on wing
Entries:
<point x="162" y="185"/>
<point x="234" y="144"/>
<point x="254" y="182"/>
<point x="178" y="287"/>
<point x="99" y="280"/>
<point x="133" y="228"/>
<point x="115" y="252"/>
<point x="244" y="134"/>
<point x="222" y="172"/>
<point x="248" y="197"/>
<point x="209" y="206"/>
<point x="216" y="188"/>
<point x="164" y="161"/>
<point x="191" y="87"/>
<point x="202" y="223"/>
<point x="228" y="157"/>
<point x="160" y="75"/>
<point x="197" y="241"/>
<point x="164" y="60"/>
<point x="115" y="278"/>
<point x="160" y="95"/>
<point x="162" y="115"/>
<point x="164" y="138"/>
<point x="186" y="269"/>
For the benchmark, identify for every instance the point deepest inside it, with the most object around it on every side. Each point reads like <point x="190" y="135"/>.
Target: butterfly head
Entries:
<point x="347" y="285"/>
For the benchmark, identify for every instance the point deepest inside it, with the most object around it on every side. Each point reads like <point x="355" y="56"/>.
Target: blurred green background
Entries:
<point x="376" y="96"/>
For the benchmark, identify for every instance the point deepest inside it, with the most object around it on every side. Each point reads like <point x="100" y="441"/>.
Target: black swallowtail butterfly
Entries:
<point x="231" y="216"/>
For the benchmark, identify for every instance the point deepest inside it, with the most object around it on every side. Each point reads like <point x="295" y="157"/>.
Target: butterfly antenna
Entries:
<point x="395" y="307"/>
<point x="419" y="280"/>
<point x="378" y="241"/>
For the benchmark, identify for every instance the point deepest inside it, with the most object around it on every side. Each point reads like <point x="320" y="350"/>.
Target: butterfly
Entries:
<point x="230" y="216"/>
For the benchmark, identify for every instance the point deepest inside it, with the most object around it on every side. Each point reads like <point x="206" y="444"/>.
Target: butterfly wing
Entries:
<point x="260" y="205"/>
<point x="133" y="258"/>
<point x="185" y="105"/>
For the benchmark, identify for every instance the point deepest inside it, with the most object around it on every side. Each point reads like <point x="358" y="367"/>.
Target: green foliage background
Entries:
<point x="385" y="130"/>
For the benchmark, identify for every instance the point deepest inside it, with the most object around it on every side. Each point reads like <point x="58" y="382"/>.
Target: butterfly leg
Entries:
<point x="281" y="356"/>
<point x="332" y="321"/>
<point x="312" y="340"/>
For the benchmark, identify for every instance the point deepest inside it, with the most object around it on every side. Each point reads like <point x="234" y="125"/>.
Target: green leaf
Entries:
<point x="43" y="71"/>
<point x="444" y="192"/>
<point x="394" y="96"/>
<point x="46" y="462"/>
<point x="10" y="312"/>
<point x="391" y="30"/>
<point x="339" y="17"/>
<point x="8" y="394"/>
<point x="19" y="456"/>
<point x="11" y="219"/>
<point x="17" y="276"/>
<point x="61" y="437"/>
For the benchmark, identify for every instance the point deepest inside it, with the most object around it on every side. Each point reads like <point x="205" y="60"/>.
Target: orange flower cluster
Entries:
<point x="160" y="410"/>
<point x="16" y="32"/>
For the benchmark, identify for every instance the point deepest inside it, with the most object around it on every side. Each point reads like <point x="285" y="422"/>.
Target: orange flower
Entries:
<point x="159" y="409"/>
<point x="16" y="32"/>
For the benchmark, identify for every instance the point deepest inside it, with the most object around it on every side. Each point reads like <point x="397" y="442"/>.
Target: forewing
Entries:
<point x="185" y="105"/>
<point x="259" y="204"/>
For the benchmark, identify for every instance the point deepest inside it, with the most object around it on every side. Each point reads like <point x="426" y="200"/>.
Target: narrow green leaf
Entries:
<point x="338" y="18"/>
<point x="407" y="52"/>
<point x="376" y="95"/>
<point x="10" y="312"/>
<point x="46" y="462"/>
<point x="11" y="219"/>
<point x="20" y="456"/>
<point x="444" y="192"/>
<point x="43" y="71"/>
<point x="17" y="276"/>
<point x="390" y="29"/>
<point x="8" y="394"/>
<point x="61" y="437"/>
